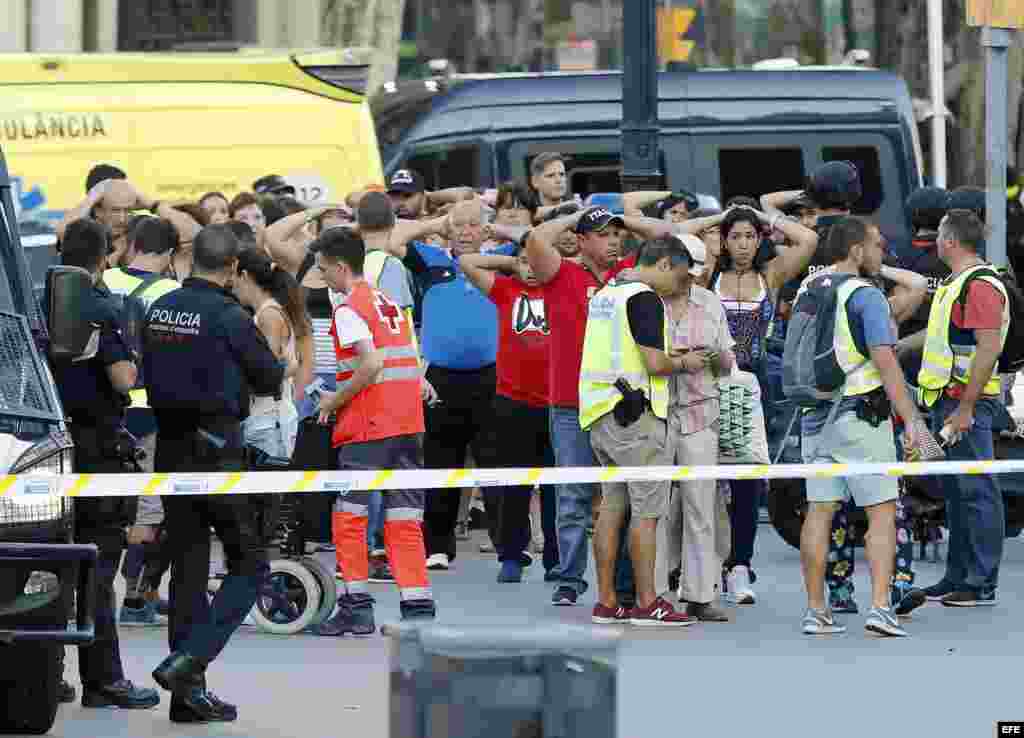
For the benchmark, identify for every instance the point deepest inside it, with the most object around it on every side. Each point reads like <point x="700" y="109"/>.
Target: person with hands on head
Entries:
<point x="520" y="433"/>
<point x="747" y="280"/>
<point x="568" y="286"/>
<point x="459" y="340"/>
<point x="111" y="202"/>
<point x="379" y="419"/>
<point x="958" y="381"/>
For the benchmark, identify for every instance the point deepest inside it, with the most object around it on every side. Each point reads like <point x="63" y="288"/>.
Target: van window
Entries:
<point x="589" y="173"/>
<point x="866" y="159"/>
<point x="756" y="171"/>
<point x="458" y="166"/>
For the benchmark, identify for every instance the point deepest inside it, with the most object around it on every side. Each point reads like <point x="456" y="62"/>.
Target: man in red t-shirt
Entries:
<point x="965" y="411"/>
<point x="519" y="437"/>
<point x="567" y="287"/>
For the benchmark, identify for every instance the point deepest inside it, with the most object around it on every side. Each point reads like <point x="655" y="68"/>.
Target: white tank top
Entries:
<point x="290" y="351"/>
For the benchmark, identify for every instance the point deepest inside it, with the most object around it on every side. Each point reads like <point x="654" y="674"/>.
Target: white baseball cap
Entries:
<point x="696" y="249"/>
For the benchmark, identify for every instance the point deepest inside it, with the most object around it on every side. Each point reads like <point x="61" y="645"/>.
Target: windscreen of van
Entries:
<point x="441" y="167"/>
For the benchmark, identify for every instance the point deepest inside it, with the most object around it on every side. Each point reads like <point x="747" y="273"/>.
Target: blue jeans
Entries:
<point x="974" y="503"/>
<point x="575" y="507"/>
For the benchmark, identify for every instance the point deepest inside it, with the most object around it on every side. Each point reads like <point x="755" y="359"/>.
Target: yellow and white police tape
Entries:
<point x="24" y="487"/>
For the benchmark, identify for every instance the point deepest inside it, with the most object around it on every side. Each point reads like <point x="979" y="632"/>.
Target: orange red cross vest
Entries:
<point x="392" y="405"/>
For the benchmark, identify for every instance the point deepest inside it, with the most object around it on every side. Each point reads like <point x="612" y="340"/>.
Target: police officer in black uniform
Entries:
<point x="203" y="355"/>
<point x="93" y="392"/>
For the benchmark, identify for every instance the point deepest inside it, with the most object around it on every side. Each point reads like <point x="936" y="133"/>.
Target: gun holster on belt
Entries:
<point x="874" y="407"/>
<point x="634" y="404"/>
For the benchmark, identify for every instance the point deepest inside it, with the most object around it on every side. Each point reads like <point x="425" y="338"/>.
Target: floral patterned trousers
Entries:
<point x="840" y="566"/>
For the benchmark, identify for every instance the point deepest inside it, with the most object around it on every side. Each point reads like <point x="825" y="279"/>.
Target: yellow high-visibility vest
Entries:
<point x="944" y="362"/>
<point x="611" y="353"/>
<point x="862" y="376"/>
<point x="120" y="282"/>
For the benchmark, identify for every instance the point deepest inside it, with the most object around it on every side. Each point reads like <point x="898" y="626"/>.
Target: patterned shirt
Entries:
<point x="693" y="397"/>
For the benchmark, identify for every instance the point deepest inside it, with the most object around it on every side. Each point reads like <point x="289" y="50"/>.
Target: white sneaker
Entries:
<point x="438" y="562"/>
<point x="738" y="586"/>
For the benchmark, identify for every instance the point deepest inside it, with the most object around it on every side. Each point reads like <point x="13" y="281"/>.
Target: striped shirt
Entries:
<point x="693" y="397"/>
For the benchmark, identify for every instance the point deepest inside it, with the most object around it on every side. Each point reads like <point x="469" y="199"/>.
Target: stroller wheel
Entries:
<point x="328" y="588"/>
<point x="289" y="598"/>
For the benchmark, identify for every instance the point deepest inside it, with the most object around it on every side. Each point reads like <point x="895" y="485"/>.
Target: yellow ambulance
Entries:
<point x="183" y="124"/>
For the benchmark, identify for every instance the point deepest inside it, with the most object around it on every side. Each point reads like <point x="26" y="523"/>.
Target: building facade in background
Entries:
<point x="69" y="26"/>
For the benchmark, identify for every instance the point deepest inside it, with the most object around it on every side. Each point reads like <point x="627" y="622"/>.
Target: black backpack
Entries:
<point x="1011" y="360"/>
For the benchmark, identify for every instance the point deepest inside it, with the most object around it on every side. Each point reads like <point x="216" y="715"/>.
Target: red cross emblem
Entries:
<point x="388" y="312"/>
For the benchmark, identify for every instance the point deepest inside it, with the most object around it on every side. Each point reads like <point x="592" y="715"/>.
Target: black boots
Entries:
<point x="122" y="694"/>
<point x="184" y="676"/>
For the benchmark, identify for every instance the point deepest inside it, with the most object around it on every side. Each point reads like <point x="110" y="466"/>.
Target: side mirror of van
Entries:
<point x="68" y="294"/>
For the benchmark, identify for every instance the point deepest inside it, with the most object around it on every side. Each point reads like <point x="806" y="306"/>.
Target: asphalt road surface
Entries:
<point x="956" y="676"/>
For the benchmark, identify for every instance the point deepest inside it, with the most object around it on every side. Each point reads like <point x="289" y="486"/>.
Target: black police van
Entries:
<point x="42" y="575"/>
<point x="723" y="132"/>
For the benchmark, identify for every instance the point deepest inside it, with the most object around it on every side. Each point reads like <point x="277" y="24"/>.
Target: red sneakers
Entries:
<point x="617" y="615"/>
<point x="660" y="614"/>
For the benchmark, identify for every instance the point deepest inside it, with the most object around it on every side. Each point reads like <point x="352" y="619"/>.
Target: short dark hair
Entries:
<point x="375" y="212"/>
<point x="966" y="227"/>
<point x="659" y="248"/>
<point x="541" y="161"/>
<point x="276" y="207"/>
<point x="846" y="233"/>
<point x="102" y="172"/>
<point x="243" y="200"/>
<point x="155" y="236"/>
<point x="85" y="244"/>
<point x="214" y="248"/>
<point x="243" y="232"/>
<point x="341" y="244"/>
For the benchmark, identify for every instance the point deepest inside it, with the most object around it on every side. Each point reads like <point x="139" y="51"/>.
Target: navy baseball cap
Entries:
<point x="406" y="181"/>
<point x="597" y="219"/>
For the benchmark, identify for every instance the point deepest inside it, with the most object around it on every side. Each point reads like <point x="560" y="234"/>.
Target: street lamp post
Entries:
<point x="640" y="151"/>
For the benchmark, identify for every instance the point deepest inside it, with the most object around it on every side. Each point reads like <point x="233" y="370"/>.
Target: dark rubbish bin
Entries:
<point x="502" y="682"/>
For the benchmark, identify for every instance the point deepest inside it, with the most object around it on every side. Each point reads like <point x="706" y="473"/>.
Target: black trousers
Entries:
<point x="462" y="419"/>
<point x="197" y="626"/>
<point x="99" y="520"/>
<point x="520" y="438"/>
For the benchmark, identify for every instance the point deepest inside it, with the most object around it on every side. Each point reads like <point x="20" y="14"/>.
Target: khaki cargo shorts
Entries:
<point x="644" y="443"/>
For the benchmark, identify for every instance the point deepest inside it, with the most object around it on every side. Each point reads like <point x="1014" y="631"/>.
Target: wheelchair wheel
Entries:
<point x="328" y="588"/>
<point x="289" y="598"/>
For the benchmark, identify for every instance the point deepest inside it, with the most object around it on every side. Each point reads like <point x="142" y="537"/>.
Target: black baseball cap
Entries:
<point x="272" y="184"/>
<point x="406" y="181"/>
<point x="597" y="219"/>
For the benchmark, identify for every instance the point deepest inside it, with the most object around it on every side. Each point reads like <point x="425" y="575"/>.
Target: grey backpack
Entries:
<point x="811" y="373"/>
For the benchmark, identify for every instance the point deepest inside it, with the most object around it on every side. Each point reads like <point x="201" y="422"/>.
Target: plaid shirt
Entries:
<point x="693" y="399"/>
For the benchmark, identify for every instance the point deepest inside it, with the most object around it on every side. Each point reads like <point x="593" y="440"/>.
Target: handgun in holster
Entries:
<point x="633" y="406"/>
<point x="874" y="407"/>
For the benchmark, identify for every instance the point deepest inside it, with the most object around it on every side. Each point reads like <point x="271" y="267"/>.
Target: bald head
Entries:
<point x="467" y="219"/>
<point x="215" y="251"/>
